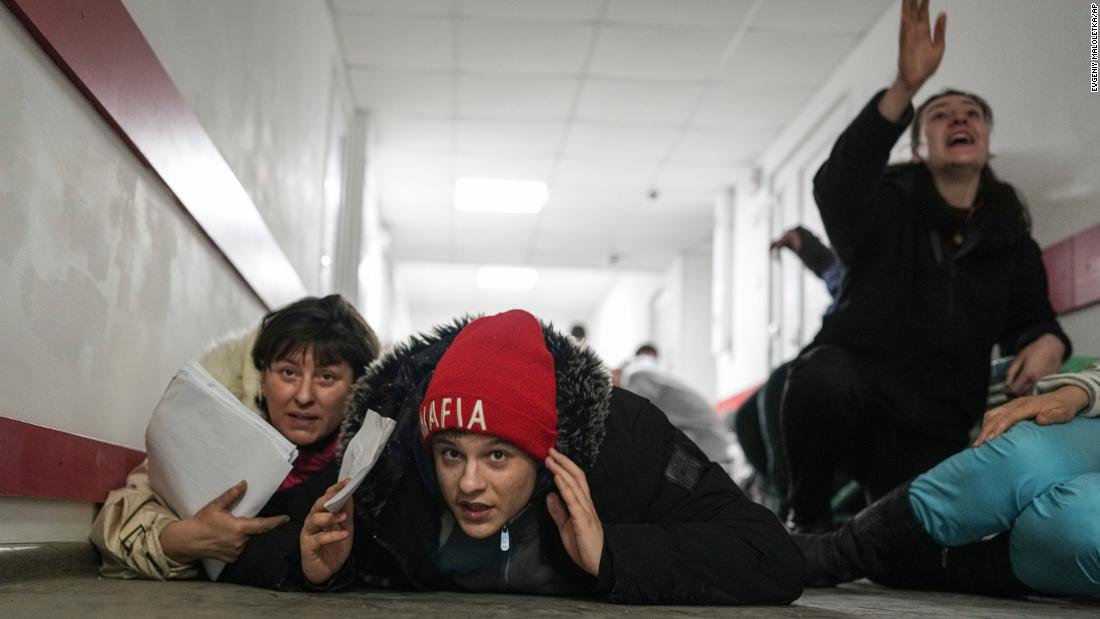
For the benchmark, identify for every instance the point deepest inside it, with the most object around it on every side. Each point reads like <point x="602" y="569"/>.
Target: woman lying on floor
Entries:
<point x="296" y="371"/>
<point x="1035" y="487"/>
<point x="516" y="467"/>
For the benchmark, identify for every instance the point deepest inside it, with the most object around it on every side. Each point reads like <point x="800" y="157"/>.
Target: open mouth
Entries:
<point x="959" y="139"/>
<point x="303" y="418"/>
<point x="475" y="511"/>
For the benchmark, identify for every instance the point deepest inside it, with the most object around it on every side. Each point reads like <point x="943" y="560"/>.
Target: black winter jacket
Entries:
<point x="677" y="529"/>
<point x="272" y="560"/>
<point x="919" y="320"/>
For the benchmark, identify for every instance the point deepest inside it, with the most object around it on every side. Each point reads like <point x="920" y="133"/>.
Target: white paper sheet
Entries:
<point x="201" y="441"/>
<point x="361" y="454"/>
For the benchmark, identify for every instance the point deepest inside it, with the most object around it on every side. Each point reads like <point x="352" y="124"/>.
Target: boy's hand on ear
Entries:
<point x="574" y="513"/>
<point x="326" y="538"/>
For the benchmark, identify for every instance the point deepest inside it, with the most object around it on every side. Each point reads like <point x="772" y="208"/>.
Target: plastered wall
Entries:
<point x="264" y="77"/>
<point x="109" y="284"/>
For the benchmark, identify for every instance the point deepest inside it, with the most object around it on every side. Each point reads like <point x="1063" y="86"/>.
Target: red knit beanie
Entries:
<point x="496" y="378"/>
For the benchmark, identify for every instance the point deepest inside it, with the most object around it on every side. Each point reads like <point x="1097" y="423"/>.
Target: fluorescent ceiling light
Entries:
<point x="490" y="195"/>
<point x="506" y="278"/>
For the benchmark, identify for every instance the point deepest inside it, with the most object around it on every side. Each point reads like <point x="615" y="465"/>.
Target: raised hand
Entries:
<point x="326" y="538"/>
<point x="574" y="513"/>
<point x="214" y="532"/>
<point x="1058" y="406"/>
<point x="920" y="50"/>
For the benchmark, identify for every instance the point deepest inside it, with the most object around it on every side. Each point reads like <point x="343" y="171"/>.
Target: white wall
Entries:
<point x="1029" y="59"/>
<point x="110" y="286"/>
<point x="684" y="342"/>
<point x="746" y="362"/>
<point x="622" y="320"/>
<point x="670" y="309"/>
<point x="264" y="77"/>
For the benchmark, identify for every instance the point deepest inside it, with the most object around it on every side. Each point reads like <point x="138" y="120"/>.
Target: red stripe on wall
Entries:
<point x="98" y="45"/>
<point x="51" y="464"/>
<point x="1073" y="271"/>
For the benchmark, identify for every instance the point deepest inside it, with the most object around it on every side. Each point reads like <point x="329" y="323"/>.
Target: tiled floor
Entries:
<point x="86" y="595"/>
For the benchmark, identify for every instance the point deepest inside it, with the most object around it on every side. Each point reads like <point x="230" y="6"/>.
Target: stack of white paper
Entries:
<point x="201" y="441"/>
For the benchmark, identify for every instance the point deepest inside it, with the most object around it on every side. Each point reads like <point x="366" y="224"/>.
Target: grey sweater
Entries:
<point x="1087" y="379"/>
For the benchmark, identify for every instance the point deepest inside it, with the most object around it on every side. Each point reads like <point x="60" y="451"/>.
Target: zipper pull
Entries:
<point x="505" y="539"/>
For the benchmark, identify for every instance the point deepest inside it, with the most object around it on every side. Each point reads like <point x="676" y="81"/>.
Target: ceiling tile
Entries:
<point x="630" y="142"/>
<point x="523" y="47"/>
<point x="730" y="104"/>
<point x="677" y="54"/>
<point x="677" y="178"/>
<point x="769" y="59"/>
<point x="410" y="133"/>
<point x="697" y="210"/>
<point x="578" y="198"/>
<point x="374" y="40"/>
<point x="508" y="138"/>
<point x="516" y="96"/>
<point x="409" y="92"/>
<point x="834" y="16"/>
<point x="416" y="7"/>
<point x="519" y="168"/>
<point x="733" y="147"/>
<point x="605" y="99"/>
<point x="592" y="221"/>
<point x="407" y="202"/>
<point x="508" y="226"/>
<point x="491" y="248"/>
<point x="420" y="243"/>
<point x="671" y="230"/>
<point x="570" y="10"/>
<point x="707" y="13"/>
<point x="622" y="176"/>
<point x="406" y="166"/>
<point x="638" y="101"/>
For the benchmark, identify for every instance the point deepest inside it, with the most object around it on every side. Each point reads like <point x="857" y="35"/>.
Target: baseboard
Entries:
<point x="45" y="560"/>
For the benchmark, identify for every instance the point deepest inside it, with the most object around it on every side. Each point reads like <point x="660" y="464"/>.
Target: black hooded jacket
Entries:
<point x="919" y="318"/>
<point x="677" y="530"/>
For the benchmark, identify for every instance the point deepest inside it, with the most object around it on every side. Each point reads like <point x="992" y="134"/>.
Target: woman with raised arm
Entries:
<point x="940" y="267"/>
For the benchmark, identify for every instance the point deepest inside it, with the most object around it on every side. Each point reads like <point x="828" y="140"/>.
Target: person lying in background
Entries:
<point x="296" y="371"/>
<point x="516" y="467"/>
<point x="1032" y="480"/>
<point x="686" y="408"/>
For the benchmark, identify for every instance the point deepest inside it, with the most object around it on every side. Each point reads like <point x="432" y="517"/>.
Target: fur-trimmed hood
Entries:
<point x="395" y="384"/>
<point x="229" y="361"/>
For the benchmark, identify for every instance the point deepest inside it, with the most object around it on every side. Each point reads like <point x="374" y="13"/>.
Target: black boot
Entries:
<point x="886" y="543"/>
<point x="983" y="568"/>
<point x="871" y="544"/>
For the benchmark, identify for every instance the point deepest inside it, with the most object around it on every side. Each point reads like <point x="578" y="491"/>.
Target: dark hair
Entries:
<point x="330" y="327"/>
<point x="646" y="349"/>
<point x="914" y="129"/>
